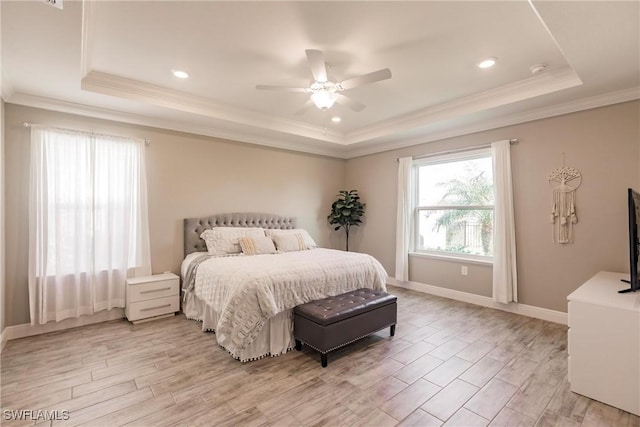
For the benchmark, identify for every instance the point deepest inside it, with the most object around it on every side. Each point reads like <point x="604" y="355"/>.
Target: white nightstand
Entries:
<point x="152" y="297"/>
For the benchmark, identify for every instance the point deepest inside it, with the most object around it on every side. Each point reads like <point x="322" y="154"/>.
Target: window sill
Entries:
<point x="452" y="258"/>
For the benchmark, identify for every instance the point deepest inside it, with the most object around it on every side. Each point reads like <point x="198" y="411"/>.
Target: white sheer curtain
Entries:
<point x="404" y="234"/>
<point x="505" y="275"/>
<point x="88" y="222"/>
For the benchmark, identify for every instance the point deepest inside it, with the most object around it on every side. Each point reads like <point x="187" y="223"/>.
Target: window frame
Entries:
<point x="471" y="154"/>
<point x="56" y="264"/>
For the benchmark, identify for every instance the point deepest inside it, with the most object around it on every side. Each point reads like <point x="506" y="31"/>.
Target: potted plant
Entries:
<point x="346" y="211"/>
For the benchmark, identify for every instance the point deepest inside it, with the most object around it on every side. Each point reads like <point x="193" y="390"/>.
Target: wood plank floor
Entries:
<point x="450" y="363"/>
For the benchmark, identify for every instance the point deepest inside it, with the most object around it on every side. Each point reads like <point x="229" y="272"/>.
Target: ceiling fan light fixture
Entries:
<point x="323" y="99"/>
<point x="323" y="92"/>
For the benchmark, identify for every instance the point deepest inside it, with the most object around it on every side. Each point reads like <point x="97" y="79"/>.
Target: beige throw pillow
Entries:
<point x="308" y="241"/>
<point x="224" y="240"/>
<point x="257" y="245"/>
<point x="290" y="242"/>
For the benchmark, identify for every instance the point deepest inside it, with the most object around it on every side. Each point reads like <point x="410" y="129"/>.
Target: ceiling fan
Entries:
<point x="325" y="93"/>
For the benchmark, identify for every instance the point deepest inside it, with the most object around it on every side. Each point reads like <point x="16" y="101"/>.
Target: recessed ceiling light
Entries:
<point x="336" y="119"/>
<point x="180" y="74"/>
<point x="487" y="63"/>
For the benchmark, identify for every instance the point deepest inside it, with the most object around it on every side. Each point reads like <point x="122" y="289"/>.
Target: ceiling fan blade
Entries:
<point x="365" y="79"/>
<point x="317" y="64"/>
<point x="304" y="108"/>
<point x="348" y="102"/>
<point x="283" y="88"/>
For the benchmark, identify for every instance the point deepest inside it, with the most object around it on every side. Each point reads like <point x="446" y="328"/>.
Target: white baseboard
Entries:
<point x="3" y="339"/>
<point x="514" y="307"/>
<point x="27" y="330"/>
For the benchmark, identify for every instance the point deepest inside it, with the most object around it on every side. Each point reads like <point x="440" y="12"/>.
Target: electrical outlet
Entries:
<point x="464" y="270"/>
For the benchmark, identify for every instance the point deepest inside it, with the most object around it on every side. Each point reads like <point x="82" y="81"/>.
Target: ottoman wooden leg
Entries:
<point x="323" y="359"/>
<point x="298" y="345"/>
<point x="392" y="330"/>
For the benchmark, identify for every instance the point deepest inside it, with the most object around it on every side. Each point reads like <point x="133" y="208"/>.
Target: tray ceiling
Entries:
<point x="114" y="60"/>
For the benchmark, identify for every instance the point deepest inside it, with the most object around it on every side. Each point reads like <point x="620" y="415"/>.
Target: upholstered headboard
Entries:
<point x="193" y="227"/>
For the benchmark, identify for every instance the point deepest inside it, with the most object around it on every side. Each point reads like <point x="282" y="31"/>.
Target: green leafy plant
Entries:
<point x="346" y="211"/>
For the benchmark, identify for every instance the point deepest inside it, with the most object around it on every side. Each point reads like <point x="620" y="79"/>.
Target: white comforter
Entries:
<point x="247" y="290"/>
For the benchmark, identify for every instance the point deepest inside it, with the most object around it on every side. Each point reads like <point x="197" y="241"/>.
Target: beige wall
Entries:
<point x="602" y="143"/>
<point x="188" y="176"/>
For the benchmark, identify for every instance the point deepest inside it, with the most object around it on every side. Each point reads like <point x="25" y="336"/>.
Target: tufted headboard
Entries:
<point x="193" y="227"/>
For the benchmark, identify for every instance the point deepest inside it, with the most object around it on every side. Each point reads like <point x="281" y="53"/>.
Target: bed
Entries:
<point x="247" y="300"/>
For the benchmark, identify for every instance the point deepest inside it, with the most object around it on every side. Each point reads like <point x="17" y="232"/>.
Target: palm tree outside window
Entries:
<point x="455" y="205"/>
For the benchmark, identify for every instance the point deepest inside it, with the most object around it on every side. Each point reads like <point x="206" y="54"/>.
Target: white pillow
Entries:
<point x="309" y="243"/>
<point x="224" y="240"/>
<point x="290" y="242"/>
<point x="257" y="245"/>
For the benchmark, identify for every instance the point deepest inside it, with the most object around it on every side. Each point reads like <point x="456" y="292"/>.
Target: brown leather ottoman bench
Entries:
<point x="333" y="322"/>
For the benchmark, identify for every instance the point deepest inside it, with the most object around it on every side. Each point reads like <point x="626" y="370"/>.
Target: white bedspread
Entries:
<point x="248" y="290"/>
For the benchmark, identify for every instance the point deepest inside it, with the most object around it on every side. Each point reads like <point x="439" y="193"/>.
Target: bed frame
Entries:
<point x="193" y="227"/>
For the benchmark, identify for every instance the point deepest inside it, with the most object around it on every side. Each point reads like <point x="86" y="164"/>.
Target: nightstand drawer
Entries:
<point x="153" y="307"/>
<point x="156" y="289"/>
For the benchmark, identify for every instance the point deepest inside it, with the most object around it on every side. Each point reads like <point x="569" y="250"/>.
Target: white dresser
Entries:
<point x="152" y="296"/>
<point x="604" y="342"/>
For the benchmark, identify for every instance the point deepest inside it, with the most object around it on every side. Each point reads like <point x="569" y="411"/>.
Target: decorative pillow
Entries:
<point x="257" y="245"/>
<point x="290" y="242"/>
<point x="309" y="243"/>
<point x="224" y="240"/>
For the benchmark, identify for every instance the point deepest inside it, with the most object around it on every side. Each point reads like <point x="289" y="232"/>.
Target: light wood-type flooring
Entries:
<point x="450" y="363"/>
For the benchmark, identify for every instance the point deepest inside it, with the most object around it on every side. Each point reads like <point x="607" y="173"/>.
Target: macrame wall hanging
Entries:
<point x="564" y="181"/>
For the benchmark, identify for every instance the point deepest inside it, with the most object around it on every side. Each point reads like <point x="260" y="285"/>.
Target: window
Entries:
<point x="92" y="196"/>
<point x="88" y="225"/>
<point x="454" y="205"/>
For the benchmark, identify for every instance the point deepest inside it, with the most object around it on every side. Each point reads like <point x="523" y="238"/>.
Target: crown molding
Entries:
<point x="6" y="87"/>
<point x="310" y="147"/>
<point x="542" y="84"/>
<point x="582" y="104"/>
<point x="7" y="90"/>
<point x="338" y="151"/>
<point x="87" y="36"/>
<point x="122" y="87"/>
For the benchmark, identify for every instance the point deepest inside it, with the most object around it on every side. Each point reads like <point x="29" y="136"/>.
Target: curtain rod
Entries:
<point x="458" y="150"/>
<point x="29" y="125"/>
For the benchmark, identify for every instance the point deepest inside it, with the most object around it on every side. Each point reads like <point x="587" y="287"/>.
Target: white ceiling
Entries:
<point x="113" y="59"/>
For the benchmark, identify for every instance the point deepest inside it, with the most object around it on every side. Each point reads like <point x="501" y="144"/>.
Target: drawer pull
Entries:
<point x="155" y="290"/>
<point x="155" y="308"/>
